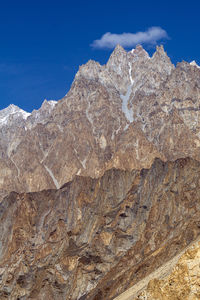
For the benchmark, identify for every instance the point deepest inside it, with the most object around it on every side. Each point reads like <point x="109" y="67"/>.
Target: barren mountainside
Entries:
<point x="95" y="238"/>
<point x="100" y="191"/>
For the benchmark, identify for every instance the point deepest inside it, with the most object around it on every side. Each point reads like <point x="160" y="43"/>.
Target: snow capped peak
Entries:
<point x="12" y="111"/>
<point x="193" y="63"/>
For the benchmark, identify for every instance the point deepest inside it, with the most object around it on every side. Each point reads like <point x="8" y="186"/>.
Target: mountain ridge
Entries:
<point x="100" y="189"/>
<point x="95" y="238"/>
<point x="132" y="98"/>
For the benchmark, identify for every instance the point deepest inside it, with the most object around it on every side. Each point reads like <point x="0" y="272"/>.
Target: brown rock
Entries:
<point x="95" y="238"/>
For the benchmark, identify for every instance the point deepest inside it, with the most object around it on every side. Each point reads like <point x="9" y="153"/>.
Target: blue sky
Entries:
<point x="44" y="42"/>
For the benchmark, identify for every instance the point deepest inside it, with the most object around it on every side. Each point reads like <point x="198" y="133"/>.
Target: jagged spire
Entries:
<point x="160" y="52"/>
<point x="118" y="48"/>
<point x="119" y="51"/>
<point x="139" y="52"/>
<point x="118" y="58"/>
<point x="161" y="58"/>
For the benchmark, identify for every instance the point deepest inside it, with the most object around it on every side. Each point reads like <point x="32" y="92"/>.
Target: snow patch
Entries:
<point x="126" y="127"/>
<point x="193" y="63"/>
<point x="125" y="98"/>
<point x="12" y="110"/>
<point x="132" y="51"/>
<point x="83" y="162"/>
<point x="51" y="102"/>
<point x="130" y="73"/>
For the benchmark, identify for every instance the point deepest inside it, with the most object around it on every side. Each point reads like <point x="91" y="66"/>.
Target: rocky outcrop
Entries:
<point x="122" y="114"/>
<point x="95" y="238"/>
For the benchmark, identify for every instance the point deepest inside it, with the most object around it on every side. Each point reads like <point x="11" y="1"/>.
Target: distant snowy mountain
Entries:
<point x="11" y="114"/>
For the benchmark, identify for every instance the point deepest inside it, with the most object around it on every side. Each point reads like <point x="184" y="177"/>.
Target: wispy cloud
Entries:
<point x="151" y="36"/>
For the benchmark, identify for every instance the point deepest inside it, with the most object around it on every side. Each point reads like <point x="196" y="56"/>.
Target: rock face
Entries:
<point x="122" y="114"/>
<point x="182" y="283"/>
<point x="95" y="238"/>
<point x="100" y="189"/>
<point x="174" y="280"/>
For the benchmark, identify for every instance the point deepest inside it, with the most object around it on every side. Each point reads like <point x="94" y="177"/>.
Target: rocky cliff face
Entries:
<point x="174" y="280"/>
<point x="94" y="238"/>
<point x="122" y="114"/>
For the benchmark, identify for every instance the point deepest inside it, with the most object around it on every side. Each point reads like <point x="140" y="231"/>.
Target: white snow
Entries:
<point x="125" y="98"/>
<point x="193" y="63"/>
<point x="83" y="162"/>
<point x="51" y="102"/>
<point x="126" y="127"/>
<point x="24" y="114"/>
<point x="128" y="112"/>
<point x="130" y="75"/>
<point x="52" y="176"/>
<point x="12" y="110"/>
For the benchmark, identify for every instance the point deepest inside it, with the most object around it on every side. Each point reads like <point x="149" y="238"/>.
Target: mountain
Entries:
<point x="101" y="189"/>
<point x="122" y="114"/>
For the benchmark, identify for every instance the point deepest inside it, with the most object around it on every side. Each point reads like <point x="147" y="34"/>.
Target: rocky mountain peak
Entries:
<point x="161" y="54"/>
<point x="161" y="61"/>
<point x="118" y="60"/>
<point x="90" y="70"/>
<point x="139" y="53"/>
<point x="119" y="50"/>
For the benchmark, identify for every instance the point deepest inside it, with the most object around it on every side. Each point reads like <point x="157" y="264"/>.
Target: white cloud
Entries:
<point x="150" y="36"/>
